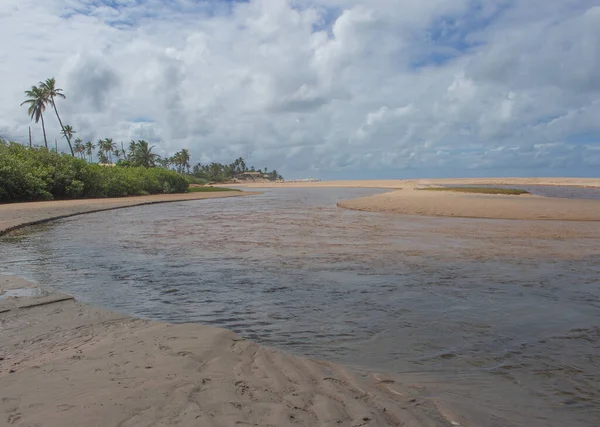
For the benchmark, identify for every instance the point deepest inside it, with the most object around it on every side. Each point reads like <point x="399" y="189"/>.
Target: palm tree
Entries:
<point x="52" y="92"/>
<point x="107" y="147"/>
<point x="79" y="148"/>
<point x="37" y="99"/>
<point x="185" y="159"/>
<point x="68" y="132"/>
<point x="165" y="162"/>
<point x="132" y="149"/>
<point x="89" y="149"/>
<point x="143" y="155"/>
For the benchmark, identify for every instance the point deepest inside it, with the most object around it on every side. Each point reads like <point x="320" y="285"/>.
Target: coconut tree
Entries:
<point x="165" y="162"/>
<point x="52" y="92"/>
<point x="107" y="147"/>
<point x="143" y="155"/>
<point x="68" y="132"/>
<point x="132" y="149"/>
<point x="89" y="149"/>
<point x="185" y="159"/>
<point x="79" y="147"/>
<point x="37" y="99"/>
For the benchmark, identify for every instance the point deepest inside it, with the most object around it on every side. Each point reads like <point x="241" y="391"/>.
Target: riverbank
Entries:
<point x="16" y="215"/>
<point x="66" y="363"/>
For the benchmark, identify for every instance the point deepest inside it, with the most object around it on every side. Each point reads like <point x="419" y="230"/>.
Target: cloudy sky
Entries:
<point x="323" y="88"/>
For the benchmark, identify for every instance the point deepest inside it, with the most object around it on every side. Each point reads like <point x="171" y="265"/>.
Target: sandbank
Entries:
<point x="402" y="183"/>
<point x="64" y="363"/>
<point x="411" y="201"/>
<point x="408" y="200"/>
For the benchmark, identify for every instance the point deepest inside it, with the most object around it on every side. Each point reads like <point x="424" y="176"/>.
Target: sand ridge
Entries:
<point x="411" y="201"/>
<point x="408" y="200"/>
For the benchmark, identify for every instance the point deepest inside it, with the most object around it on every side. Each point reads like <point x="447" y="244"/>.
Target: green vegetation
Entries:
<point x="34" y="173"/>
<point x="478" y="190"/>
<point x="218" y="172"/>
<point x="209" y="189"/>
<point x="28" y="174"/>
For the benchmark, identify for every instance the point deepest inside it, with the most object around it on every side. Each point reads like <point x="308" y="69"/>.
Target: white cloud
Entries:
<point x="339" y="88"/>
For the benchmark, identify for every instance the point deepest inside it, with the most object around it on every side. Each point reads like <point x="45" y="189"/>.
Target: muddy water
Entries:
<point x="499" y="320"/>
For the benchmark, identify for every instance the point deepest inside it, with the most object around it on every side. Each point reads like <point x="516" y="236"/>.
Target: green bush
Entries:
<point x="28" y="174"/>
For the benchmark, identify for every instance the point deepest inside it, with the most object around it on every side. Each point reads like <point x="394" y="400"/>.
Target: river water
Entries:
<point x="498" y="319"/>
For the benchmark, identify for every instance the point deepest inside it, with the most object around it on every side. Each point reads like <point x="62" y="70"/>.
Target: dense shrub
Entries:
<point x="191" y="179"/>
<point x="38" y="174"/>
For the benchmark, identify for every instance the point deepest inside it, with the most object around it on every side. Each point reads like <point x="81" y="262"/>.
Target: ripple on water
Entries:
<point x="477" y="310"/>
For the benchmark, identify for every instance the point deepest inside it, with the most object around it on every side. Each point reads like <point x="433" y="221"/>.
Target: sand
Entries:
<point x="402" y="183"/>
<point x="64" y="363"/>
<point x="411" y="201"/>
<point x="408" y="200"/>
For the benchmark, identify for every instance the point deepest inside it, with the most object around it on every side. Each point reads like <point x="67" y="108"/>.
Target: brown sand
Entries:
<point x="402" y="183"/>
<point x="63" y="363"/>
<point x="409" y="201"/>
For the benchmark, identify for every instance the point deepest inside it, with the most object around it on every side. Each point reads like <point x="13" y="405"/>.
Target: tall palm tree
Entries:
<point x="68" y="132"/>
<point x="37" y="99"/>
<point x="107" y="147"/>
<point x="132" y="149"/>
<point x="181" y="160"/>
<point x="49" y="86"/>
<point x="143" y="155"/>
<point x="79" y="148"/>
<point x="89" y="149"/>
<point x="185" y="159"/>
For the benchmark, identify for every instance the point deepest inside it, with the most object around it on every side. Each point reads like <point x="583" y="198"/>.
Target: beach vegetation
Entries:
<point x="33" y="173"/>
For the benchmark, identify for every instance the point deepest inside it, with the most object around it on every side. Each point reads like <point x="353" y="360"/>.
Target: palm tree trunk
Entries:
<point x="62" y="127"/>
<point x="44" y="130"/>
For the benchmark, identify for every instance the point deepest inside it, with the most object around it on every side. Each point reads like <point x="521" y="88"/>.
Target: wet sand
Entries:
<point x="67" y="363"/>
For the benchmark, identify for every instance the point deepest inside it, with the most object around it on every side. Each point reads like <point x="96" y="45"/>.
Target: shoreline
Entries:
<point x="66" y="362"/>
<point x="35" y="213"/>
<point x="402" y="183"/>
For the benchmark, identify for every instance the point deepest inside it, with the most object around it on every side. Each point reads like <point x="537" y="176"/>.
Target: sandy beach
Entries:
<point x="65" y="363"/>
<point x="409" y="200"/>
<point x="402" y="183"/>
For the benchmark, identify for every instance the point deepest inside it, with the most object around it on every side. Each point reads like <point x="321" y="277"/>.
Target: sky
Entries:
<point x="332" y="89"/>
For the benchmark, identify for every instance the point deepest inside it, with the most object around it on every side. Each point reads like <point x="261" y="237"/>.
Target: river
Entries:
<point x="499" y="323"/>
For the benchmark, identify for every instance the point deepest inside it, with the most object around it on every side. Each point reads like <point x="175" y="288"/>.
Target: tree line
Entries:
<point x="138" y="153"/>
